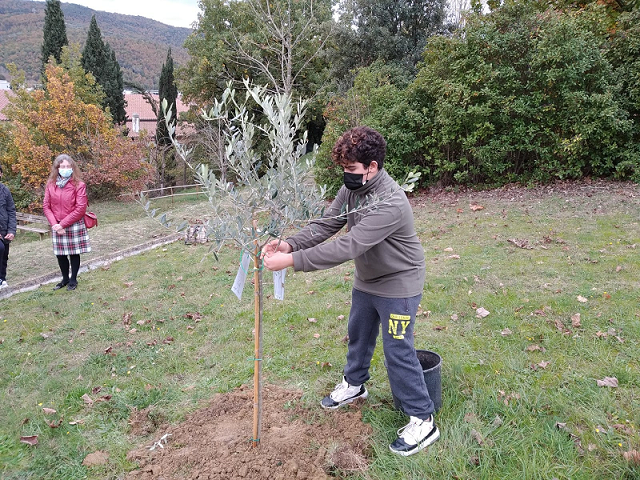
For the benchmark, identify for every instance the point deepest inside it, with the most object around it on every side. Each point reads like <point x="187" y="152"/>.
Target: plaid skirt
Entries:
<point x="74" y="241"/>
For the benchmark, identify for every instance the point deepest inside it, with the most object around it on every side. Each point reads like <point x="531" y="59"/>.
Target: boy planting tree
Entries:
<point x="389" y="279"/>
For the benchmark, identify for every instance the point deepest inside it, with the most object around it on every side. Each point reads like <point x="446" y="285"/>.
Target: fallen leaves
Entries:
<point x="609" y="333"/>
<point x="195" y="316"/>
<point x="560" y="327"/>
<point x="575" y="320"/>
<point x="96" y="458"/>
<point x="90" y="402"/>
<point x="55" y="424"/>
<point x="608" y="382"/>
<point x="520" y="243"/>
<point x="30" y="440"/>
<point x="582" y="299"/>
<point x="475" y="207"/>
<point x="534" y="348"/>
<point x="632" y="456"/>
<point x="481" y="312"/>
<point x="507" y="397"/>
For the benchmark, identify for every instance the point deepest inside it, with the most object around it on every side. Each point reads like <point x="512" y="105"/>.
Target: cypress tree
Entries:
<point x="167" y="90"/>
<point x="99" y="59"/>
<point x="93" y="55"/>
<point x="114" y="88"/>
<point x="55" y="32"/>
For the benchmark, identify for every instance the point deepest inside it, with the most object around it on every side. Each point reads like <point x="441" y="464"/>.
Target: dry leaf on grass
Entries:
<point x="48" y="411"/>
<point x="311" y="320"/>
<point x="477" y="436"/>
<point x="470" y="417"/>
<point x="521" y="243"/>
<point x="30" y="440"/>
<point x="607" y="382"/>
<point x="575" y="320"/>
<point x="481" y="312"/>
<point x="533" y="348"/>
<point x="506" y="332"/>
<point x="95" y="458"/>
<point x="475" y="207"/>
<point x="55" y="424"/>
<point x="632" y="456"/>
<point x="560" y="326"/>
<point x="87" y="399"/>
<point x="581" y="299"/>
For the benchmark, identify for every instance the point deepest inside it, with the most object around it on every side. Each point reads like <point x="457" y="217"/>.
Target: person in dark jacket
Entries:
<point x="389" y="280"/>
<point x="65" y="203"/>
<point x="7" y="229"/>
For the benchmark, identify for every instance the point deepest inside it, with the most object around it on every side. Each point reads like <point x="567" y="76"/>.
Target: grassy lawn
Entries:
<point x="162" y="331"/>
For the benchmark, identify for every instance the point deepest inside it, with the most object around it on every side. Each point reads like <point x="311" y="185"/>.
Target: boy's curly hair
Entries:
<point x="360" y="144"/>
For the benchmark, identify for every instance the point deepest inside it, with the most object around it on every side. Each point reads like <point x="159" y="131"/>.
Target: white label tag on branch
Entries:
<point x="278" y="283"/>
<point x="241" y="276"/>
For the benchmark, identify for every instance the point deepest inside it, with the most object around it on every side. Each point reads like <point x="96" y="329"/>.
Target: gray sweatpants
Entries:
<point x="397" y="317"/>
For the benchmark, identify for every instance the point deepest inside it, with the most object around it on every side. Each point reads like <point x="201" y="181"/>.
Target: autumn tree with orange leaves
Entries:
<point x="61" y="119"/>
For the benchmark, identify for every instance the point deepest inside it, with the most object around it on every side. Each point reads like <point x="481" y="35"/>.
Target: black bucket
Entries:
<point x="431" y="364"/>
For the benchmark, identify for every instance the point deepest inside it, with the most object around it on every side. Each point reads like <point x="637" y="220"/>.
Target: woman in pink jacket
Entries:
<point x="65" y="203"/>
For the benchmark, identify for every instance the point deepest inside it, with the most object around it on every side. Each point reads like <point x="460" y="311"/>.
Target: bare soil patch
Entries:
<point x="215" y="441"/>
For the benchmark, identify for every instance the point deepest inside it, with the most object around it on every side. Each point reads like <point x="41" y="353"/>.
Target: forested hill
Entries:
<point x="140" y="44"/>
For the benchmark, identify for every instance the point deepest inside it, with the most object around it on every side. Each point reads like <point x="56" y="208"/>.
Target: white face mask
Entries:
<point x="65" y="172"/>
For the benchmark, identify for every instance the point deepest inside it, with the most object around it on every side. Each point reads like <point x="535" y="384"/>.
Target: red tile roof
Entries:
<point x="137" y="105"/>
<point x="4" y="101"/>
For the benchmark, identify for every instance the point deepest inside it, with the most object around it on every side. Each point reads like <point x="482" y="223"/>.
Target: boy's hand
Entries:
<point x="275" y="246"/>
<point x="278" y="261"/>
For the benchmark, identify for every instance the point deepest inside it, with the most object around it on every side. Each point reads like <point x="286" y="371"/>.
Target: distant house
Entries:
<point x="5" y="85"/>
<point x="5" y="96"/>
<point x="140" y="115"/>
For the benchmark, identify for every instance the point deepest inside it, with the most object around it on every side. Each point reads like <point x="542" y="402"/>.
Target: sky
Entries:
<point x="179" y="13"/>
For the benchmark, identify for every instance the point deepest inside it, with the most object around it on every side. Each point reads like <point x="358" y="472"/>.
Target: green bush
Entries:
<point x="377" y="100"/>
<point x="519" y="95"/>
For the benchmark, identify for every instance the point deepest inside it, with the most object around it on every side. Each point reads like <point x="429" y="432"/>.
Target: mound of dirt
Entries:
<point x="215" y="442"/>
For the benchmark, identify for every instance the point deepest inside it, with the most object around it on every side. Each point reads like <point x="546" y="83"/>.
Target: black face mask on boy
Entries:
<point x="353" y="181"/>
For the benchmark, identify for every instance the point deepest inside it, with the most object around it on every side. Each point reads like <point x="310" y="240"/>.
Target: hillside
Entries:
<point x="140" y="44"/>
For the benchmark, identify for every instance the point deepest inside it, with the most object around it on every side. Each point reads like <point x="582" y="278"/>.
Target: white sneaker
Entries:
<point x="343" y="394"/>
<point x="415" y="436"/>
<point x="3" y="284"/>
